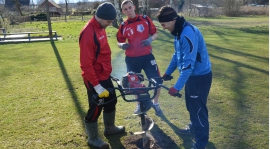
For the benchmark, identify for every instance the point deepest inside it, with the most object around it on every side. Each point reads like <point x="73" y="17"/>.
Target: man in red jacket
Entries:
<point x="95" y="62"/>
<point x="139" y="31"/>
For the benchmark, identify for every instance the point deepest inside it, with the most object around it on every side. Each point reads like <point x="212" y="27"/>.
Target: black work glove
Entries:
<point x="124" y="46"/>
<point x="167" y="77"/>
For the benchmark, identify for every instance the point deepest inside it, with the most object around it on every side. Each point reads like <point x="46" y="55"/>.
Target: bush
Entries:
<point x="254" y="10"/>
<point x="232" y="7"/>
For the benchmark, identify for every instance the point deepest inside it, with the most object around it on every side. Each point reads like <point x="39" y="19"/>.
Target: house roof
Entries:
<point x="51" y="2"/>
<point x="54" y="4"/>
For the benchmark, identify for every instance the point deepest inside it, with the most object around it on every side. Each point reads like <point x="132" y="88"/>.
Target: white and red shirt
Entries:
<point x="135" y="30"/>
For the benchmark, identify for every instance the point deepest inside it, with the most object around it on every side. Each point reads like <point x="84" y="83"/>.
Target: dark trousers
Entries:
<point x="196" y="92"/>
<point x="94" y="109"/>
<point x="147" y="63"/>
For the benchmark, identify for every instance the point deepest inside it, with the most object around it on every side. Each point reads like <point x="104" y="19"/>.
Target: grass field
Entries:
<point x="43" y="98"/>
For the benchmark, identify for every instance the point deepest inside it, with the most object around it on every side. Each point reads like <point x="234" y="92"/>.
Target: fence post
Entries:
<point x="29" y="36"/>
<point x="55" y="35"/>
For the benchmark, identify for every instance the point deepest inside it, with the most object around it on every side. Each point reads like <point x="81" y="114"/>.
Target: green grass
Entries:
<point x="43" y="98"/>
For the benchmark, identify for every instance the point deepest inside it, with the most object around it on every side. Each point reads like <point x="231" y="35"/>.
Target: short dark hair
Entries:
<point x="125" y="2"/>
<point x="165" y="10"/>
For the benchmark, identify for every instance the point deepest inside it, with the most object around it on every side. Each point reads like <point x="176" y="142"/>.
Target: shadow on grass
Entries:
<point x="237" y="63"/>
<point x="240" y="99"/>
<point x="68" y="82"/>
<point x="258" y="30"/>
<point x="235" y="52"/>
<point x="254" y="30"/>
<point x="162" y="139"/>
<point x="115" y="142"/>
<point x="187" y="139"/>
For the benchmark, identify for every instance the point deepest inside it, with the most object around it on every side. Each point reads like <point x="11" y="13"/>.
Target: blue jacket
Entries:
<point x="190" y="55"/>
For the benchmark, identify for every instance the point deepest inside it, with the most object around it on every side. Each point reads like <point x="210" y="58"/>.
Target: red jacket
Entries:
<point x="94" y="69"/>
<point x="136" y="30"/>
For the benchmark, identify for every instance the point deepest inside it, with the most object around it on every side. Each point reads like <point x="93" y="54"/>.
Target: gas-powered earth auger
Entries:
<point x="132" y="84"/>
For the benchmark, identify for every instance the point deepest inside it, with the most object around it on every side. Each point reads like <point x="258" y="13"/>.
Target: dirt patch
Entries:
<point x="161" y="142"/>
<point x="136" y="142"/>
<point x="156" y="139"/>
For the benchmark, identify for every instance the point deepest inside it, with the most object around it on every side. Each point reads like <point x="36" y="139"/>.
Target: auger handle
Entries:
<point x="177" y="94"/>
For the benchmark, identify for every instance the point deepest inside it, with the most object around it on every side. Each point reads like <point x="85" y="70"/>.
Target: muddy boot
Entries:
<point x="93" y="139"/>
<point x="110" y="128"/>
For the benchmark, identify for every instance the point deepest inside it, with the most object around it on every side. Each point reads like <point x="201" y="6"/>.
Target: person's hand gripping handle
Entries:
<point x="174" y="92"/>
<point x="123" y="46"/>
<point x="102" y="92"/>
<point x="167" y="77"/>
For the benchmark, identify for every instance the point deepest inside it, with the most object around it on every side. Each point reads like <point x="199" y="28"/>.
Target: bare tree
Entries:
<point x="245" y="2"/>
<point x="17" y="4"/>
<point x="172" y="4"/>
<point x="95" y="4"/>
<point x="232" y="7"/>
<point x="119" y="18"/>
<point x="136" y="3"/>
<point x="146" y="8"/>
<point x="189" y="6"/>
<point x="175" y="4"/>
<point x="2" y="9"/>
<point x="157" y="3"/>
<point x="82" y="6"/>
<point x="205" y="11"/>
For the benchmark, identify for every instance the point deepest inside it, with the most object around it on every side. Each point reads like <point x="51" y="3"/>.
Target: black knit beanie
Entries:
<point x="106" y="11"/>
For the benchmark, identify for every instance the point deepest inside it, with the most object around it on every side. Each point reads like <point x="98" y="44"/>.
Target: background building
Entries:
<point x="54" y="9"/>
<point x="10" y="3"/>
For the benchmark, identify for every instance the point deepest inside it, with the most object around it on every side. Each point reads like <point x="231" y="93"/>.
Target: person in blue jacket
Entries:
<point x="192" y="60"/>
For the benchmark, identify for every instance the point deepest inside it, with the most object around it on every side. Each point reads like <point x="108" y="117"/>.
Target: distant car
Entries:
<point x="39" y="17"/>
<point x="253" y="4"/>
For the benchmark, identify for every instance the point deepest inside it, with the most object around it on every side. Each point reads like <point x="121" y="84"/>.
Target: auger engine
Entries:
<point x="134" y="80"/>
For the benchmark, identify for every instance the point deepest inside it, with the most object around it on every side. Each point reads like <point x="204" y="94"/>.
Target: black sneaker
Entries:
<point x="187" y="130"/>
